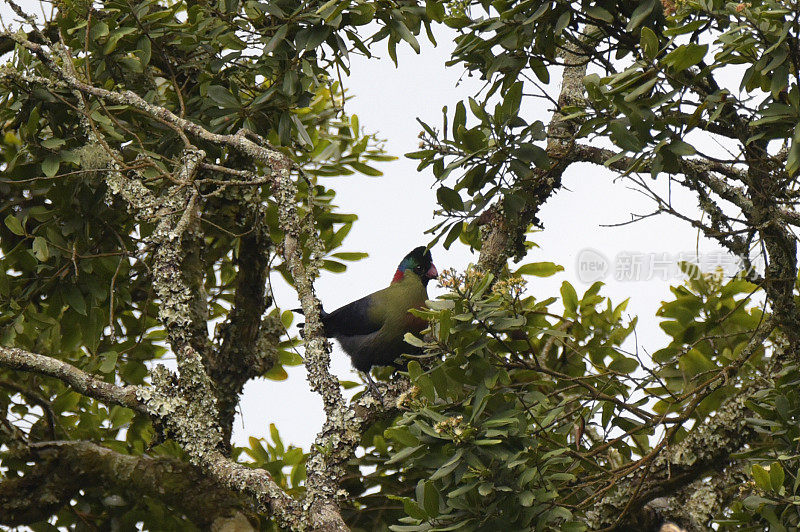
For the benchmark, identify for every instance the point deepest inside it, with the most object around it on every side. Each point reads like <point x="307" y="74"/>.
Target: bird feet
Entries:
<point x="373" y="388"/>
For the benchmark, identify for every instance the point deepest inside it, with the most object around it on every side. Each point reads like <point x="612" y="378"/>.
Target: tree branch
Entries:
<point x="64" y="467"/>
<point x="706" y="447"/>
<point x="80" y="381"/>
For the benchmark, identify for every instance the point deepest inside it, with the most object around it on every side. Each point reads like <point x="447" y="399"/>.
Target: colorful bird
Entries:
<point x="371" y="329"/>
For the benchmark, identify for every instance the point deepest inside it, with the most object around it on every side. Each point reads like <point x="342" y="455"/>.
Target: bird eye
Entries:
<point x="418" y="269"/>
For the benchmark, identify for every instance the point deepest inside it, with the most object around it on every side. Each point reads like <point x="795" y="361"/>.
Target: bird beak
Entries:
<point x="432" y="273"/>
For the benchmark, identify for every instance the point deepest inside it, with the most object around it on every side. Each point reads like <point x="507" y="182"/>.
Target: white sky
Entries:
<point x="397" y="208"/>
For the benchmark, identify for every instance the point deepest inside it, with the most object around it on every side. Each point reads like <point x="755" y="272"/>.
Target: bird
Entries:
<point x="371" y="330"/>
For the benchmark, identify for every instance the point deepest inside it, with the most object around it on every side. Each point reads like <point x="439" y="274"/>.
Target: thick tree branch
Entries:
<point x="80" y="381"/>
<point x="64" y="467"/>
<point x="503" y="237"/>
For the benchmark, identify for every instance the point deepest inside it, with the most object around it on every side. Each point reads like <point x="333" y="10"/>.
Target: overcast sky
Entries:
<point x="396" y="209"/>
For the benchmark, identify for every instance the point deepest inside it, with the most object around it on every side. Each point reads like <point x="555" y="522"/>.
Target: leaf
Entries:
<point x="277" y="373"/>
<point x="413" y="340"/>
<point x="793" y="159"/>
<point x="642" y="89"/>
<point x="431" y="499"/>
<point x="405" y="34"/>
<point x="639" y="14"/>
<point x="50" y="166"/>
<point x="681" y="148"/>
<point x="40" y="249"/>
<point x="350" y="256"/>
<point x="599" y="13"/>
<point x="685" y="55"/>
<point x="223" y="97"/>
<point x="539" y="269"/>
<point x="401" y="435"/>
<point x="333" y="266"/>
<point x="302" y="132"/>
<point x="694" y="362"/>
<point x="512" y="99"/>
<point x="453" y="234"/>
<point x="14" y="225"/>
<point x="449" y="199"/>
<point x="459" y="118"/>
<point x="118" y="34"/>
<point x="624" y="365"/>
<point x="75" y="300"/>
<point x="776" y="476"/>
<point x="531" y="153"/>
<point x="109" y="361"/>
<point x="761" y="477"/>
<point x="144" y="50"/>
<point x="364" y="169"/>
<point x="279" y="36"/>
<point x="526" y="498"/>
<point x="569" y="297"/>
<point x="649" y="43"/>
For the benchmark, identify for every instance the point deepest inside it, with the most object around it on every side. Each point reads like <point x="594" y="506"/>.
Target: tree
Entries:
<point x="120" y="246"/>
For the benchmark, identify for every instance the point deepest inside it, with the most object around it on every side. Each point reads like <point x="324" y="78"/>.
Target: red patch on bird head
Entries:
<point x="398" y="276"/>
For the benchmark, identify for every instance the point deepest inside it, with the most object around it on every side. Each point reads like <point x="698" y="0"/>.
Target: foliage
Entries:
<point x="521" y="416"/>
<point x="525" y="412"/>
<point x="75" y="275"/>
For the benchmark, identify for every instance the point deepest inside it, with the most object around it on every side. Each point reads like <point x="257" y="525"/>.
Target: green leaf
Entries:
<point x="364" y="169"/>
<point x="118" y="34"/>
<point x="599" y="13"/>
<point x="459" y="118"/>
<point x="144" y="50"/>
<point x="449" y="199"/>
<point x="793" y="159"/>
<point x="414" y="370"/>
<point x="776" y="476"/>
<point x="761" y="477"/>
<point x="685" y="55"/>
<point x="14" y="225"/>
<point x="350" y="256"/>
<point x="333" y="266"/>
<point x="649" y="43"/>
<point x="624" y="365"/>
<point x="413" y="340"/>
<point x="641" y="89"/>
<point x="431" y="499"/>
<point x="526" y="498"/>
<point x="512" y="99"/>
<point x="693" y="362"/>
<point x="405" y="34"/>
<point x="109" y="361"/>
<point x="539" y="269"/>
<point x="401" y="435"/>
<point x="277" y="373"/>
<point x="276" y="39"/>
<point x="681" y="148"/>
<point x="40" y="249"/>
<point x="531" y="153"/>
<point x="569" y="297"/>
<point x="223" y="97"/>
<point x="50" y="166"/>
<point x="641" y="12"/>
<point x="453" y="234"/>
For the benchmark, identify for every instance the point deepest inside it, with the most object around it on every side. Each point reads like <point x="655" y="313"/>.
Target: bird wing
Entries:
<point x="358" y="318"/>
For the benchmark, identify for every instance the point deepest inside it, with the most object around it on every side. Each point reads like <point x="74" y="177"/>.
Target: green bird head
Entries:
<point x="419" y="262"/>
